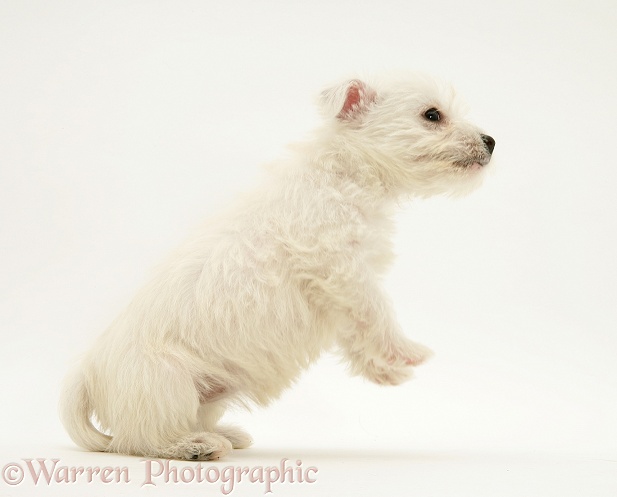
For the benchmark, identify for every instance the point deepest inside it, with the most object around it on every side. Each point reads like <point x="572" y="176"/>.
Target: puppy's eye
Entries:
<point x="432" y="115"/>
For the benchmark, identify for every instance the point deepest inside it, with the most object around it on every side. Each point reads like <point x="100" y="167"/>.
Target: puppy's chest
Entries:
<point x="374" y="246"/>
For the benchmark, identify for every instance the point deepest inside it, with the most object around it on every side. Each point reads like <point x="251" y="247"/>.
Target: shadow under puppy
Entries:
<point x="241" y="309"/>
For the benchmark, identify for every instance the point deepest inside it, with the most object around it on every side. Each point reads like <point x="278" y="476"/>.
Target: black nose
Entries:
<point x="489" y="142"/>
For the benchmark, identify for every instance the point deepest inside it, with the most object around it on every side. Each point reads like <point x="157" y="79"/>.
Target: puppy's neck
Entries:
<point x="348" y="169"/>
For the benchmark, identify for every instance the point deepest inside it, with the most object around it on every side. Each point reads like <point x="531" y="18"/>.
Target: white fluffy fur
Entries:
<point x="241" y="309"/>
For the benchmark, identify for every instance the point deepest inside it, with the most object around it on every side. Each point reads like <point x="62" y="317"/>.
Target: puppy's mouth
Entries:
<point x="473" y="163"/>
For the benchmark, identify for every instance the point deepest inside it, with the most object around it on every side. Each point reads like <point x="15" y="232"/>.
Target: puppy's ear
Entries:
<point x="348" y="101"/>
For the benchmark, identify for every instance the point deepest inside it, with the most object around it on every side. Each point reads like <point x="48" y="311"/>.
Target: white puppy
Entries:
<point x="239" y="311"/>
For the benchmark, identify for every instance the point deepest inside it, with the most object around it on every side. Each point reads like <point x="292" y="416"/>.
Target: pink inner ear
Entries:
<point x="352" y="99"/>
<point x="357" y="99"/>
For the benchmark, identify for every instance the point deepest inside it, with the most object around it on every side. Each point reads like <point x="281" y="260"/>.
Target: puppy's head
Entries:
<point x="409" y="133"/>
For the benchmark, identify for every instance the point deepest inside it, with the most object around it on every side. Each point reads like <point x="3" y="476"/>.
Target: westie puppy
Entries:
<point x="240" y="310"/>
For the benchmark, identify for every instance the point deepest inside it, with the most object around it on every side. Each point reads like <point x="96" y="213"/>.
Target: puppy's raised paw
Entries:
<point x="412" y="353"/>
<point x="387" y="374"/>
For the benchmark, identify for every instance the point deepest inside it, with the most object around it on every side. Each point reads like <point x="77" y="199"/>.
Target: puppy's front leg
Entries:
<point x="374" y="343"/>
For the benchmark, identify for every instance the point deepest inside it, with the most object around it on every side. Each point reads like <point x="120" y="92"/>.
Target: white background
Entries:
<point x="124" y="123"/>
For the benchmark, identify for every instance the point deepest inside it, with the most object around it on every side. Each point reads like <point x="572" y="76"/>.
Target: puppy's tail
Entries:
<point x="75" y="412"/>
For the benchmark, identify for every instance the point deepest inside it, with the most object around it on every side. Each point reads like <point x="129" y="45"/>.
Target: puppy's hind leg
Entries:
<point x="197" y="446"/>
<point x="157" y="415"/>
<point x="207" y="420"/>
